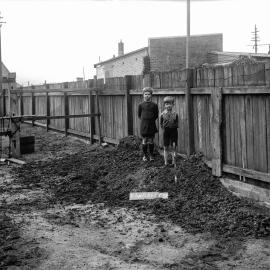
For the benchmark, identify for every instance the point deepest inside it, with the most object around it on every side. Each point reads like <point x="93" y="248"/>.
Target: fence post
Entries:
<point x="216" y="121"/>
<point x="33" y="101"/>
<point x="189" y="113"/>
<point x="128" y="102"/>
<point x="92" y="119"/>
<point x="146" y="80"/>
<point x="98" y="112"/>
<point x="97" y="107"/>
<point x="66" y="111"/>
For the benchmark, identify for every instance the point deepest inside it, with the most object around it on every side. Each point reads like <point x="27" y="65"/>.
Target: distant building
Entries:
<point x="8" y="78"/>
<point x="162" y="54"/>
<point x="131" y="63"/>
<point x="217" y="57"/>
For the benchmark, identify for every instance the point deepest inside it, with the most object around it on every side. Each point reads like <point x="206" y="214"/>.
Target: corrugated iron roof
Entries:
<point x="119" y="57"/>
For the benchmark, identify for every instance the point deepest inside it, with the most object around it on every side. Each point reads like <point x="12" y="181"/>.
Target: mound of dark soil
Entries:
<point x="198" y="201"/>
<point x="130" y="142"/>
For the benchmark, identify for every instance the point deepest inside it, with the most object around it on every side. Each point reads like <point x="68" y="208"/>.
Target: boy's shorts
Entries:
<point x="148" y="138"/>
<point x="170" y="136"/>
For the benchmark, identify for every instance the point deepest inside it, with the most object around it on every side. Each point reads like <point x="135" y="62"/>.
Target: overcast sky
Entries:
<point x="54" y="40"/>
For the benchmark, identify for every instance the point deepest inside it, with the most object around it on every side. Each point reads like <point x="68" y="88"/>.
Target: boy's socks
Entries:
<point x="165" y="157"/>
<point x="144" y="148"/>
<point x="151" y="148"/>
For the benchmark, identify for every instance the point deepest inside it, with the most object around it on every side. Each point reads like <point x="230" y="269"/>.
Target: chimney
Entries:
<point x="120" y="48"/>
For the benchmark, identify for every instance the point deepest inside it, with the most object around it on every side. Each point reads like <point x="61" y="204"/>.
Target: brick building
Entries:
<point x="162" y="54"/>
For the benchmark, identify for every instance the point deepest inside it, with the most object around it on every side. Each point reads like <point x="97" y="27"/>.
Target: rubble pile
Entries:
<point x="198" y="202"/>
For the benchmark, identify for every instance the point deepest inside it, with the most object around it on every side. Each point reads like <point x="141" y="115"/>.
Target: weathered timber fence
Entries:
<point x="229" y="118"/>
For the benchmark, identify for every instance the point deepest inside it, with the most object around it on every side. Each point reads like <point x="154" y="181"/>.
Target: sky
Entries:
<point x="60" y="40"/>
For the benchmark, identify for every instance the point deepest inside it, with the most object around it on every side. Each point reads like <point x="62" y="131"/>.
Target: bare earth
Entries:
<point x="39" y="232"/>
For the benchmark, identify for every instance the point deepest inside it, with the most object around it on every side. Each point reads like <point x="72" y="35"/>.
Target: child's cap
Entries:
<point x="147" y="89"/>
<point x="168" y="99"/>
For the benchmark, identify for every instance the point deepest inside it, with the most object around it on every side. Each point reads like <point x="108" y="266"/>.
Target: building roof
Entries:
<point x="119" y="57"/>
<point x="202" y="35"/>
<point x="241" y="53"/>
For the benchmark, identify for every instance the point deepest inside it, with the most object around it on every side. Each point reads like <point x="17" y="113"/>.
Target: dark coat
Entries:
<point x="148" y="113"/>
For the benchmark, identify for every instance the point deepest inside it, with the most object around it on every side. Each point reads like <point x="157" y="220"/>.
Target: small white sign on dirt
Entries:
<point x="147" y="195"/>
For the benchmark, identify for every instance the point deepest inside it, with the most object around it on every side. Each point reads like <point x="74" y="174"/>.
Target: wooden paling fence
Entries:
<point x="228" y="122"/>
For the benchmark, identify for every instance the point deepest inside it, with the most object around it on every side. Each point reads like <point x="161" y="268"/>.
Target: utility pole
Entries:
<point x="188" y="34"/>
<point x="1" y="72"/>
<point x="255" y="38"/>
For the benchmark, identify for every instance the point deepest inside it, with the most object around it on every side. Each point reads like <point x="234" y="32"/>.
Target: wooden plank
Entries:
<point x="219" y="77"/>
<point x="201" y="91"/>
<point x="227" y="137"/>
<point x="17" y="161"/>
<point x="249" y="132"/>
<point x="203" y="123"/>
<point x="55" y="90"/>
<point x="262" y="134"/>
<point x="196" y="132"/>
<point x="200" y="131"/>
<point x="245" y="90"/>
<point x="128" y="104"/>
<point x="189" y="114"/>
<point x="265" y="177"/>
<point x="216" y="132"/>
<point x="267" y="106"/>
<point x="205" y="126"/>
<point x="232" y="131"/>
<point x="66" y="112"/>
<point x="33" y="106"/>
<point x="47" y="110"/>
<point x="98" y="112"/>
<point x="211" y="77"/>
<point x="228" y="76"/>
<point x="209" y="116"/>
<point x="163" y="91"/>
<point x="237" y="139"/>
<point x="111" y="124"/>
<point x="146" y="80"/>
<point x="243" y="133"/>
<point x="256" y="130"/>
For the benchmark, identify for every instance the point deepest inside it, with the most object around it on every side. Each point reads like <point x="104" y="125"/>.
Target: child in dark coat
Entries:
<point x="148" y="113"/>
<point x="169" y="124"/>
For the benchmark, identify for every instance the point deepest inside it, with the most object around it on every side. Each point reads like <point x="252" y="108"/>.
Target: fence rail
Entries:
<point x="228" y="121"/>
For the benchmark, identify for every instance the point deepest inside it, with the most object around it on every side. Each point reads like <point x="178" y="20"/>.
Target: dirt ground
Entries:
<point x="69" y="208"/>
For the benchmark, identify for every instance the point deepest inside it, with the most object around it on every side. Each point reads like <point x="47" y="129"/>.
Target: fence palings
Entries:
<point x="245" y="104"/>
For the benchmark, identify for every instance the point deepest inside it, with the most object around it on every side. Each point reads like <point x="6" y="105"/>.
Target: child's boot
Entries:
<point x="151" y="151"/>
<point x="144" y="148"/>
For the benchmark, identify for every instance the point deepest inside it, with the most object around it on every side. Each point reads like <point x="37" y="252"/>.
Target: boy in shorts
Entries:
<point x="169" y="124"/>
<point x="148" y="113"/>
